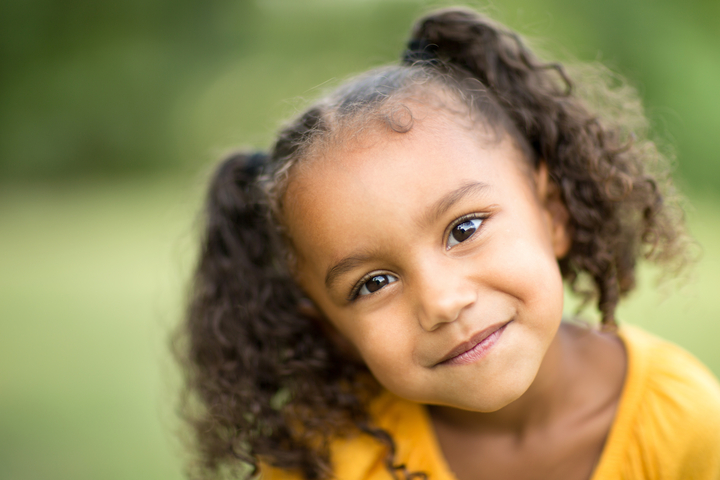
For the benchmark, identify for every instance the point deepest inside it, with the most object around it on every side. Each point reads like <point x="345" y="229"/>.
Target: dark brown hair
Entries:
<point x="264" y="382"/>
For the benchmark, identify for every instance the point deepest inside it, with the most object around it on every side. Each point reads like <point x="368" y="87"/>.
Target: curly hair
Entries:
<point x="263" y="381"/>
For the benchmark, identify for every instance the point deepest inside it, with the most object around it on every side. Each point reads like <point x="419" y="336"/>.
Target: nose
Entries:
<point x="443" y="291"/>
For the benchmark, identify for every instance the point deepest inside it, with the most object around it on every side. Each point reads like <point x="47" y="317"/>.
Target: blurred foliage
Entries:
<point x="108" y="88"/>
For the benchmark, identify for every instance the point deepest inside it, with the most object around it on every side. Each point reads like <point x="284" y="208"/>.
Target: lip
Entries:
<point x="476" y="347"/>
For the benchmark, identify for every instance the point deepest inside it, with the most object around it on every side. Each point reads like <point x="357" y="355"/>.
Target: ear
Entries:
<point x="556" y="212"/>
<point x="309" y="310"/>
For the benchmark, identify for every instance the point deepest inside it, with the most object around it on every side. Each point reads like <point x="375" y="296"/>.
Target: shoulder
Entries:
<point x="670" y="376"/>
<point x="670" y="409"/>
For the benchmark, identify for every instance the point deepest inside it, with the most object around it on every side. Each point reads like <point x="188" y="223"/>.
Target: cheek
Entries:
<point x="524" y="266"/>
<point x="543" y="299"/>
<point x="381" y="340"/>
<point x="386" y="343"/>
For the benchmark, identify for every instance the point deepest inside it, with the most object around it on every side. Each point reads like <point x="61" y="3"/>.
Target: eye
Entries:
<point x="463" y="230"/>
<point x="373" y="284"/>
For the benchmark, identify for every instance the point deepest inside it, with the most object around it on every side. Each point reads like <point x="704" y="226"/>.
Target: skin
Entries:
<point x="538" y="402"/>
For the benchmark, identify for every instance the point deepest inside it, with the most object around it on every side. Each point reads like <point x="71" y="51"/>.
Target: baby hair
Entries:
<point x="266" y="382"/>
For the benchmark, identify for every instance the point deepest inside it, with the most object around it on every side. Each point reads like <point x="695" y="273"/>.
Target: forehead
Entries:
<point x="384" y="175"/>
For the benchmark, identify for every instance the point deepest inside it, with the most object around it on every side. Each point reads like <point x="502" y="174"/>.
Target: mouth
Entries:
<point x="475" y="348"/>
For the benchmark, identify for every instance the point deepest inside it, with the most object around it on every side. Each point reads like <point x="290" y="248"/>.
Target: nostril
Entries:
<point x="442" y="307"/>
<point x="441" y="289"/>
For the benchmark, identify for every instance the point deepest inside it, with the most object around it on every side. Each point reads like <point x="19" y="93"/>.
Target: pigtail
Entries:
<point x="464" y="39"/>
<point x="607" y="191"/>
<point x="263" y="383"/>
<point x="239" y="295"/>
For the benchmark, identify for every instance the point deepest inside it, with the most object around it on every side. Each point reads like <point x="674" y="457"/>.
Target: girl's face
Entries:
<point x="434" y="253"/>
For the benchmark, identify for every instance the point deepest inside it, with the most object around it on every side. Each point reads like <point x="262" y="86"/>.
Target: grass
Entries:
<point x="91" y="276"/>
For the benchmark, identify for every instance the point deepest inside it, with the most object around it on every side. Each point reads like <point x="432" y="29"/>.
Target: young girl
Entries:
<point x="380" y="296"/>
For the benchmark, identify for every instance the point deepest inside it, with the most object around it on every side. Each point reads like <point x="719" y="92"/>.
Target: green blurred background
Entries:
<point x="111" y="114"/>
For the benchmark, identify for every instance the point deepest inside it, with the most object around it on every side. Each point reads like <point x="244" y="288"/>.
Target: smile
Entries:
<point x="475" y="348"/>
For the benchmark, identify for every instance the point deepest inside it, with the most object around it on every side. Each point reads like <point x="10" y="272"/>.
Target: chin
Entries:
<point x="494" y="402"/>
<point x="474" y="400"/>
<point x="503" y="395"/>
<point x="506" y="400"/>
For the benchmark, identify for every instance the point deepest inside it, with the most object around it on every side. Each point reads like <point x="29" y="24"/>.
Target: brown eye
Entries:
<point x="376" y="283"/>
<point x="463" y="231"/>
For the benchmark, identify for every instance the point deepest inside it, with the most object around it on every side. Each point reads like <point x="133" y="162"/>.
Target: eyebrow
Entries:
<point x="444" y="204"/>
<point x="344" y="266"/>
<point x="434" y="212"/>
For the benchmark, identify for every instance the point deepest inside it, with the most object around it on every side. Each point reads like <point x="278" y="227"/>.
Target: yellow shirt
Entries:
<point x="667" y="425"/>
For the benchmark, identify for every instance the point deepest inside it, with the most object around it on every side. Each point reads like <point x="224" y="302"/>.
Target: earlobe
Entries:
<point x="557" y="214"/>
<point x="309" y="310"/>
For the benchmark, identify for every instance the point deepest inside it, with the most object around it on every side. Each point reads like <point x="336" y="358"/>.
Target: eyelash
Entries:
<point x="355" y="293"/>
<point x="460" y="221"/>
